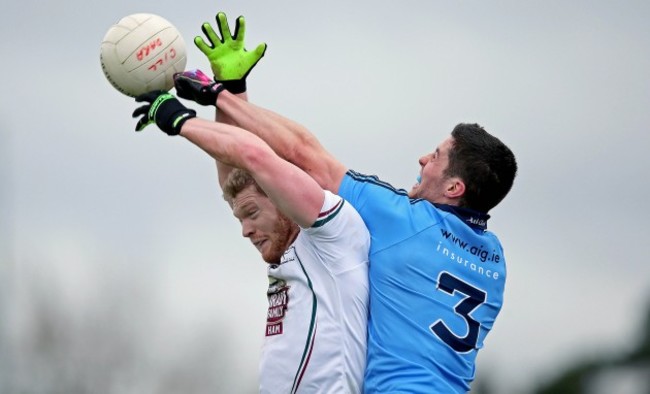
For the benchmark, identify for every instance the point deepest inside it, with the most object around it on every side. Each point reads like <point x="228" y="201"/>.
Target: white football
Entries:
<point x="141" y="53"/>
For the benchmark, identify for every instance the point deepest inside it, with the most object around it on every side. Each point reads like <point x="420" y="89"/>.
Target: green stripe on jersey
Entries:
<point x="310" y="336"/>
<point x="329" y="215"/>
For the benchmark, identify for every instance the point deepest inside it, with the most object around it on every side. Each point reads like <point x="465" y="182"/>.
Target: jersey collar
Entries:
<point x="475" y="219"/>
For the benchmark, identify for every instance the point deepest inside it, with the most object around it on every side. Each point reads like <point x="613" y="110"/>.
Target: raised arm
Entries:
<point x="287" y="138"/>
<point x="293" y="192"/>
<point x="223" y="170"/>
<point x="231" y="64"/>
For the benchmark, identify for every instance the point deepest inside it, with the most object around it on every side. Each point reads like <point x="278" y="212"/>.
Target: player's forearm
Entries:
<point x="294" y="192"/>
<point x="253" y="119"/>
<point x="287" y="138"/>
<point x="223" y="117"/>
<point x="226" y="144"/>
<point x="223" y="170"/>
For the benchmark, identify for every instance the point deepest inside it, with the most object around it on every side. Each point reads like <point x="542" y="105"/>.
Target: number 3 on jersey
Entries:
<point x="473" y="298"/>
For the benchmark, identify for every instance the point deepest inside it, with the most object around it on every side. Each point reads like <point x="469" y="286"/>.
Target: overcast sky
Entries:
<point x="124" y="241"/>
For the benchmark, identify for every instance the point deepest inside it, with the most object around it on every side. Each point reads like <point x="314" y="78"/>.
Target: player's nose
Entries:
<point x="247" y="229"/>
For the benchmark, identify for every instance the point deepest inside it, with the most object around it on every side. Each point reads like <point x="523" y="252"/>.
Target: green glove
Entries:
<point x="164" y="110"/>
<point x="230" y="61"/>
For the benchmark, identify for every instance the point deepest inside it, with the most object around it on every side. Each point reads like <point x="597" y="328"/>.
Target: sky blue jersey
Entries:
<point x="437" y="278"/>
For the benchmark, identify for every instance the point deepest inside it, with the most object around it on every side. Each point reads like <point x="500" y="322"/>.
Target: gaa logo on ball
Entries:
<point x="141" y="53"/>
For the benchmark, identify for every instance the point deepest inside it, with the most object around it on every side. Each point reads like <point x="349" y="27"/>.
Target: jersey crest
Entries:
<point x="278" y="297"/>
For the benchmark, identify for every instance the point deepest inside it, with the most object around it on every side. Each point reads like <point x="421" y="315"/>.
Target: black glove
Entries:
<point x="196" y="86"/>
<point x="163" y="109"/>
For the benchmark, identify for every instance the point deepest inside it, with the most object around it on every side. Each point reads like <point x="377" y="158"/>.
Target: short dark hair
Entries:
<point x="484" y="163"/>
<point x="237" y="181"/>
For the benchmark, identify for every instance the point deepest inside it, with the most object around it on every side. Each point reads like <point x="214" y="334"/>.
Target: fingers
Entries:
<point x="240" y="28"/>
<point x="195" y="75"/>
<point x="141" y="110"/>
<point x="201" y="44"/>
<point x="184" y="88"/>
<point x="142" y="97"/>
<point x="260" y="50"/>
<point x="212" y="36"/>
<point x="149" y="96"/>
<point x="144" y="120"/>
<point x="142" y="123"/>
<point x="194" y="79"/>
<point x="224" y="29"/>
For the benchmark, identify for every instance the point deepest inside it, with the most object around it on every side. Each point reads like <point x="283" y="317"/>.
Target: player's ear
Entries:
<point x="455" y="188"/>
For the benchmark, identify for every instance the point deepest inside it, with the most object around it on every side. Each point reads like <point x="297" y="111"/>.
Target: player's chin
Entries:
<point x="414" y="191"/>
<point x="269" y="253"/>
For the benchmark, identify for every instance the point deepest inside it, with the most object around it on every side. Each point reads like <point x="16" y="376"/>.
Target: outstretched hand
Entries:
<point x="164" y="110"/>
<point x="230" y="61"/>
<point x="196" y="86"/>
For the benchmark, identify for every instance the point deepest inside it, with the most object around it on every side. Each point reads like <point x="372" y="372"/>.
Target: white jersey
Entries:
<point x="318" y="307"/>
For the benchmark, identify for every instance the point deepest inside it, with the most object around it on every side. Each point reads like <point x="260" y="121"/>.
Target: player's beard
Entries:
<point x="284" y="233"/>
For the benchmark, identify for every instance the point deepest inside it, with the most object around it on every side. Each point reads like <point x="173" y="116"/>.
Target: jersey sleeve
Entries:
<point x="381" y="206"/>
<point x="340" y="233"/>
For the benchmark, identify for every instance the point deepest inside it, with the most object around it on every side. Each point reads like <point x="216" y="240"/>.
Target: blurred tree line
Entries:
<point x="117" y="346"/>
<point x="583" y="377"/>
<point x="628" y="372"/>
